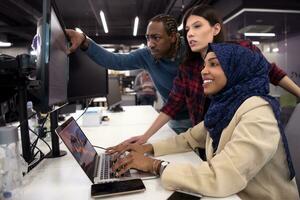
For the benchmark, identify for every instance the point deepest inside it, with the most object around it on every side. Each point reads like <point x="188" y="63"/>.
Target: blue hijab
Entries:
<point x="247" y="75"/>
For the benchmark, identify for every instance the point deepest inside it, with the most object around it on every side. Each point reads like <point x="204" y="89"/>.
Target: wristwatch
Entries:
<point x="85" y="43"/>
<point x="163" y="165"/>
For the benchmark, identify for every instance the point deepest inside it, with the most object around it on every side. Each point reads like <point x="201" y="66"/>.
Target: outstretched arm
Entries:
<point x="290" y="86"/>
<point x="279" y="77"/>
<point x="159" y="122"/>
<point x="109" y="60"/>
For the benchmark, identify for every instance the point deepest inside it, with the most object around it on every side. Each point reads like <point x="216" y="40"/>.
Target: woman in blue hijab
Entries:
<point x="246" y="149"/>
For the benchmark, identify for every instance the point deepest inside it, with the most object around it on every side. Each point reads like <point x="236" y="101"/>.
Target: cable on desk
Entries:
<point x="99" y="147"/>
<point x="33" y="145"/>
<point x="39" y="135"/>
<point x="27" y="119"/>
<point x="85" y="109"/>
<point x="33" y="164"/>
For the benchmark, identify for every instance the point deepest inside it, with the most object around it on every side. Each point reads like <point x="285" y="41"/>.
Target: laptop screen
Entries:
<point x="78" y="144"/>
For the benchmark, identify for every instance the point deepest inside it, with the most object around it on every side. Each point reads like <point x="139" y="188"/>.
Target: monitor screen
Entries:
<point x="86" y="78"/>
<point x="52" y="59"/>
<point x="114" y="96"/>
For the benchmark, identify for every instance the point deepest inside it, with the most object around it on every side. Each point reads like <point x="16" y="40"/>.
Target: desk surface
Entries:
<point x="62" y="178"/>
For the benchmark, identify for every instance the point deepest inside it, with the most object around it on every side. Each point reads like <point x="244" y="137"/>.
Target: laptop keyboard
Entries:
<point x="105" y="169"/>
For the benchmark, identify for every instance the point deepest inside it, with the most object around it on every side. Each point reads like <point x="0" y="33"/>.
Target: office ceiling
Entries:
<point x="120" y="15"/>
<point x="18" y="17"/>
<point x="284" y="26"/>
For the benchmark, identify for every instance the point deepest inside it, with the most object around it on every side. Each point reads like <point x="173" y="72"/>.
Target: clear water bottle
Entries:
<point x="11" y="164"/>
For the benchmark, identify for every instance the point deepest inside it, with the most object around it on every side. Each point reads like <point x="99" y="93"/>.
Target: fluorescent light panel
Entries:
<point x="136" y="25"/>
<point x="110" y="49"/>
<point x="180" y="27"/>
<point x="141" y="46"/>
<point x="255" y="42"/>
<point x="33" y="52"/>
<point x="103" y="21"/>
<point x="5" y="44"/>
<point x="260" y="34"/>
<point x="78" y="30"/>
<point x="259" y="10"/>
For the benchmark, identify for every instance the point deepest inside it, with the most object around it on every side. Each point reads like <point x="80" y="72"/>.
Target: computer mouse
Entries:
<point x="105" y="118"/>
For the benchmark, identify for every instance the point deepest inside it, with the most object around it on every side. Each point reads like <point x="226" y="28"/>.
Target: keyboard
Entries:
<point x="105" y="170"/>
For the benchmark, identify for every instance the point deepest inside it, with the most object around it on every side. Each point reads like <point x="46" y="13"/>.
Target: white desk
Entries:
<point x="62" y="178"/>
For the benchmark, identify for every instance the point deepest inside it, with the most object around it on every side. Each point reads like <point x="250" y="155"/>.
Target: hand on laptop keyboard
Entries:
<point x="128" y="148"/>
<point x="134" y="160"/>
<point x="113" y="161"/>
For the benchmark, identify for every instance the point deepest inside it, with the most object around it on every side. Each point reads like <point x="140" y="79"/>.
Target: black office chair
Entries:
<point x="292" y="131"/>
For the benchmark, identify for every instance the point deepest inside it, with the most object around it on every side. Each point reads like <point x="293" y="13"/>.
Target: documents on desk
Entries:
<point x="62" y="178"/>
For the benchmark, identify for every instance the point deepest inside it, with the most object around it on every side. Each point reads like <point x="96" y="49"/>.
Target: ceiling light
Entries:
<point x="275" y="50"/>
<point x="255" y="42"/>
<point x="103" y="21"/>
<point x="258" y="10"/>
<point x="135" y="27"/>
<point x="141" y="46"/>
<point x="111" y="49"/>
<point x="260" y="34"/>
<point x="78" y="30"/>
<point x="33" y="52"/>
<point x="267" y="49"/>
<point x="5" y="44"/>
<point x="180" y="27"/>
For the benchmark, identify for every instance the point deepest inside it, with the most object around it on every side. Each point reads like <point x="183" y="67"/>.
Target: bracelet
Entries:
<point x="163" y="166"/>
<point x="155" y="166"/>
<point x="84" y="45"/>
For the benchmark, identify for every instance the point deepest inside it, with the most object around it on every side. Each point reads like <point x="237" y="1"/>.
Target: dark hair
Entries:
<point x="168" y="21"/>
<point x="209" y="13"/>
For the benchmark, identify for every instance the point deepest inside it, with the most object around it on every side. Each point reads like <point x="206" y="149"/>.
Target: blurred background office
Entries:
<point x="145" y="89"/>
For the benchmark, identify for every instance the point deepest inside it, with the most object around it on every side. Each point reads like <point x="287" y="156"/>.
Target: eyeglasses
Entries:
<point x="154" y="37"/>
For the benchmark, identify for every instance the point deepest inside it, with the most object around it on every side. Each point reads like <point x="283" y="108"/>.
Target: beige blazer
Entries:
<point x="250" y="160"/>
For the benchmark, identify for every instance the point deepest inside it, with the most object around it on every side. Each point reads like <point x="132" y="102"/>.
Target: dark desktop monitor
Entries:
<point x="114" y="97"/>
<point x="86" y="78"/>
<point x="52" y="59"/>
<point x="52" y="73"/>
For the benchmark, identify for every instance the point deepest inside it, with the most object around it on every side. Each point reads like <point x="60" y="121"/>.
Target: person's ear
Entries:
<point x="217" y="28"/>
<point x="173" y="37"/>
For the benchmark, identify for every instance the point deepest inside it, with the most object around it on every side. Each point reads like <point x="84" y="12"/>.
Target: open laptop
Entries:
<point x="96" y="166"/>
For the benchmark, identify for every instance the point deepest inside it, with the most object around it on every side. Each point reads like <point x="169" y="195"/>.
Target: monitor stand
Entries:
<point x="56" y="152"/>
<point x="116" y="108"/>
